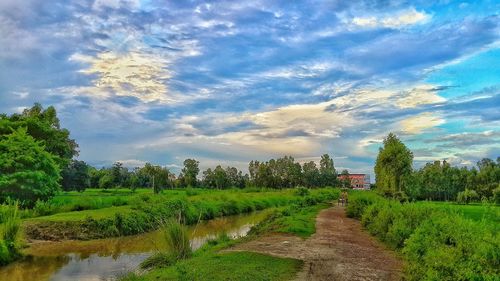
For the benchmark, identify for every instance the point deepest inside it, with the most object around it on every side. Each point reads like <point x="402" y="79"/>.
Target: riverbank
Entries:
<point x="147" y="212"/>
<point x="216" y="261"/>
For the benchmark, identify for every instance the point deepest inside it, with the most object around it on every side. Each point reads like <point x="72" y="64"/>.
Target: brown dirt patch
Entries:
<point x="339" y="250"/>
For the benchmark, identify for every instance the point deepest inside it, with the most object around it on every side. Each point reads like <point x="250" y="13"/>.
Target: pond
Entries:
<point x="105" y="259"/>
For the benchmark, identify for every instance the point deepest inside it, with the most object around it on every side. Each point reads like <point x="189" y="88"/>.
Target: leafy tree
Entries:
<point x="467" y="196"/>
<point x="393" y="166"/>
<point x="311" y="174"/>
<point x="106" y="181"/>
<point x="76" y="176"/>
<point x="190" y="171"/>
<point x="327" y="171"/>
<point x="43" y="125"/>
<point x="160" y="177"/>
<point x="27" y="171"/>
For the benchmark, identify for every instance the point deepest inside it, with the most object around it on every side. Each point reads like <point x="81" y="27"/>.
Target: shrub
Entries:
<point x="359" y="201"/>
<point x="438" y="243"/>
<point x="449" y="247"/>
<point x="302" y="191"/>
<point x="10" y="233"/>
<point x="467" y="196"/>
<point x="177" y="238"/>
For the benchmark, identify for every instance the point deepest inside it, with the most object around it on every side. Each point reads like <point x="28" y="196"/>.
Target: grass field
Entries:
<point x="475" y="212"/>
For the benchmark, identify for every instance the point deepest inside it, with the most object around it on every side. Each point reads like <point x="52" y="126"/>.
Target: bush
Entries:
<point x="438" y="243"/>
<point x="302" y="191"/>
<point x="449" y="247"/>
<point x="177" y="238"/>
<point x="359" y="201"/>
<point x="467" y="196"/>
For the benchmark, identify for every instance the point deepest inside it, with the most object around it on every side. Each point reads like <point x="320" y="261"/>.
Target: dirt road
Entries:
<point x="339" y="250"/>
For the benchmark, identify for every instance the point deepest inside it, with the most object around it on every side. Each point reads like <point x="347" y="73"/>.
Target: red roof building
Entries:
<point x="358" y="181"/>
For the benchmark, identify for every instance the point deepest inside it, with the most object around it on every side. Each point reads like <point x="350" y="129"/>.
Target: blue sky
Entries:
<point x="231" y="81"/>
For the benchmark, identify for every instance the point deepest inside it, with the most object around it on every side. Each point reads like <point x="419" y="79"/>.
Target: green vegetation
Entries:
<point x="144" y="211"/>
<point x="177" y="239"/>
<point x="208" y="264"/>
<point x="10" y="232"/>
<point x="297" y="220"/>
<point x="27" y="172"/>
<point x="438" y="241"/>
<point x="393" y="165"/>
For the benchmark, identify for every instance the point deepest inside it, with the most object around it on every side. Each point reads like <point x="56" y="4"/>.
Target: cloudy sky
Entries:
<point x="231" y="81"/>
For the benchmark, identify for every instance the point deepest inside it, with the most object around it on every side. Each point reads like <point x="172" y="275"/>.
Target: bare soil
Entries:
<point x="339" y="250"/>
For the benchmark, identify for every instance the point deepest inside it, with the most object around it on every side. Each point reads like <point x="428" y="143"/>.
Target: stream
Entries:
<point x="105" y="259"/>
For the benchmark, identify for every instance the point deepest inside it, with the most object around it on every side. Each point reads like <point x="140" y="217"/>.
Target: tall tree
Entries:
<point x="311" y="174"/>
<point x="327" y="171"/>
<point x="27" y="171"/>
<point x="190" y="171"/>
<point x="393" y="166"/>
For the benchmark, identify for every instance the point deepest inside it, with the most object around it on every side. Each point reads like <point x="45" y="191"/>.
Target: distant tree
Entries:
<point x="327" y="171"/>
<point x="106" y="181"/>
<point x="160" y="177"/>
<point x="27" y="171"/>
<point x="76" y="176"/>
<point x="221" y="178"/>
<point x="311" y="174"/>
<point x="393" y="166"/>
<point x="190" y="171"/>
<point x="346" y="181"/>
<point x="467" y="196"/>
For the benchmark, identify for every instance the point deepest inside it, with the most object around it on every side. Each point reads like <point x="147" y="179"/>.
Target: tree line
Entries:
<point x="438" y="180"/>
<point x="284" y="172"/>
<point x="38" y="158"/>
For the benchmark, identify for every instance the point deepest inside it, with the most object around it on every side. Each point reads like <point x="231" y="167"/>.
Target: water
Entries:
<point x="104" y="259"/>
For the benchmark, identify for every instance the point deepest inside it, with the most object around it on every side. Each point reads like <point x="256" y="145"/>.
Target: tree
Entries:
<point x="27" y="171"/>
<point x="190" y="171"/>
<point x="76" y="176"/>
<point x="43" y="125"/>
<point x="327" y="171"/>
<point x="160" y="177"/>
<point x="393" y="166"/>
<point x="345" y="181"/>
<point x="311" y="174"/>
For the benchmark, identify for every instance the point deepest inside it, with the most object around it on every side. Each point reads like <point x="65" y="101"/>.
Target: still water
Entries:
<point x="104" y="259"/>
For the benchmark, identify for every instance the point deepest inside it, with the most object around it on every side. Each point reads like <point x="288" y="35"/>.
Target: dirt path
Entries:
<point x="339" y="250"/>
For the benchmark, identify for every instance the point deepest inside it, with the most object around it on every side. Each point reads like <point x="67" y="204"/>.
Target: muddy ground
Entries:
<point x="339" y="250"/>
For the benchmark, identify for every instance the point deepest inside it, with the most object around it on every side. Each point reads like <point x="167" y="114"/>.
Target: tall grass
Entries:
<point x="10" y="232"/>
<point x="177" y="238"/>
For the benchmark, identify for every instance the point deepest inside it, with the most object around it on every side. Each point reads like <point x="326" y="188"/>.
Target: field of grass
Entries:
<point x="297" y="220"/>
<point x="108" y="212"/>
<point x="475" y="211"/>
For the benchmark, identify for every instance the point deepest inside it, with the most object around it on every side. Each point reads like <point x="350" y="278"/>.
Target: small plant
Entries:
<point x="177" y="238"/>
<point x="302" y="191"/>
<point x="10" y="233"/>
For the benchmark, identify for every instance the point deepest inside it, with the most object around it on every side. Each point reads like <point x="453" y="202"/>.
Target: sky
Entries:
<point x="226" y="82"/>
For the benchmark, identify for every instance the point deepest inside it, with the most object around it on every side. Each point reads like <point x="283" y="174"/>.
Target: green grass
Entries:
<point x="82" y="215"/>
<point x="144" y="211"/>
<point x="475" y="211"/>
<point x="229" y="266"/>
<point x="208" y="263"/>
<point x="297" y="220"/>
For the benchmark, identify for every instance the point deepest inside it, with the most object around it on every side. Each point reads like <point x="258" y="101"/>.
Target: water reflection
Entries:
<point x="104" y="259"/>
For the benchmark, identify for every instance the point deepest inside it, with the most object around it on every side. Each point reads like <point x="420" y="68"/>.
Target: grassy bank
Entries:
<point x="10" y="234"/>
<point x="145" y="212"/>
<point x="438" y="241"/>
<point x="209" y="263"/>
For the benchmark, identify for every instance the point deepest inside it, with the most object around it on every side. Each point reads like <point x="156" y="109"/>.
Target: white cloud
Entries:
<point x="131" y="74"/>
<point x="398" y="20"/>
<point x="417" y="124"/>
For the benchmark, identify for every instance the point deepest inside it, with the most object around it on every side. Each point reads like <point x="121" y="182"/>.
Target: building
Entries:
<point x="358" y="181"/>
